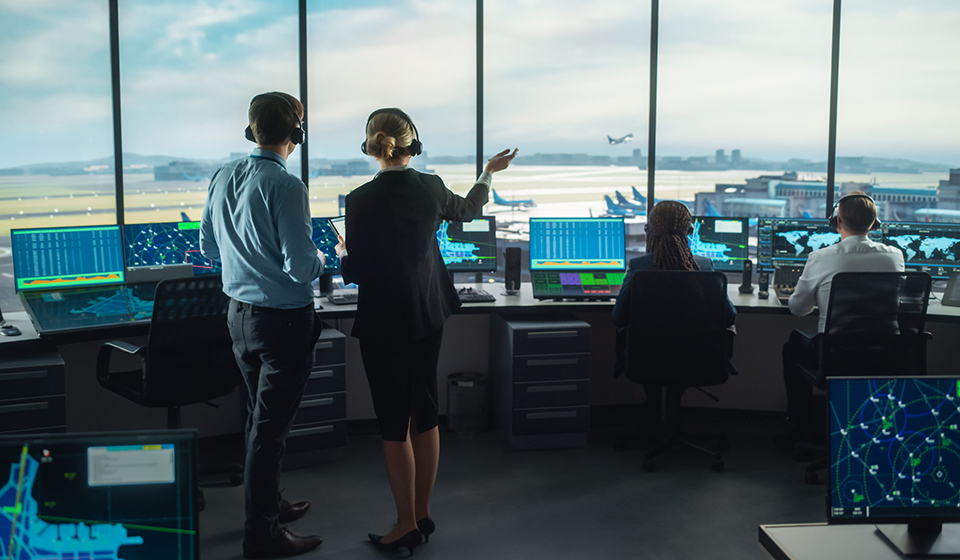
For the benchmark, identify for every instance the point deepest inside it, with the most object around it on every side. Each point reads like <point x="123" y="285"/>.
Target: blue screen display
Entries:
<point x="722" y="240"/>
<point x="325" y="238"/>
<point x="577" y="244"/>
<point x="166" y="244"/>
<point x="55" y="258"/>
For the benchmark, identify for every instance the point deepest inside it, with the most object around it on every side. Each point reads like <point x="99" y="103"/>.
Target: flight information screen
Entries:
<point x="98" y="496"/>
<point x="931" y="248"/>
<point x="325" y="238"/>
<point x="166" y="244"/>
<point x="577" y="244"/>
<point x="788" y="241"/>
<point x="893" y="449"/>
<point x="722" y="240"/>
<point x="469" y="246"/>
<point x="54" y="258"/>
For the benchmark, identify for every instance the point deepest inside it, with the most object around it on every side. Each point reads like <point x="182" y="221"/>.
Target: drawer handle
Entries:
<point x="321" y="374"/>
<point x="552" y="334"/>
<point x="551" y="389"/>
<point x="326" y="345"/>
<point x="311" y="431"/>
<point x="27" y="407"/>
<point x="16" y="375"/>
<point x="552" y="362"/>
<point x="550" y="415"/>
<point x="317" y="402"/>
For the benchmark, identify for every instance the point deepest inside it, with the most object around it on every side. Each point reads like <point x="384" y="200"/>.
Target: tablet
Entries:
<point x="951" y="296"/>
<point x="338" y="226"/>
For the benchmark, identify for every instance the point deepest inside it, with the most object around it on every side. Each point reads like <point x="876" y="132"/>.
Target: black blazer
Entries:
<point x="392" y="253"/>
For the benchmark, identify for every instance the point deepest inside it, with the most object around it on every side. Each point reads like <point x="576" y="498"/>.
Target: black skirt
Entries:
<point x="403" y="382"/>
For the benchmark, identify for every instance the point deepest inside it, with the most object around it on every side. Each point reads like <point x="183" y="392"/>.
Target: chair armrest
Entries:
<point x="103" y="357"/>
<point x="928" y="335"/>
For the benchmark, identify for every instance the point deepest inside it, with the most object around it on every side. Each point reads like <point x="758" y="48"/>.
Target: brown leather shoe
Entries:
<point x="291" y="512"/>
<point x="283" y="545"/>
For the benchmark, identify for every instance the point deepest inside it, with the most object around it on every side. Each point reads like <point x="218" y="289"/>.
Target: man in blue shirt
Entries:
<point x="256" y="222"/>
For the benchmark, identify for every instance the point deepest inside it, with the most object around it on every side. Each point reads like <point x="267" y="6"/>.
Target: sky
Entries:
<point x="558" y="76"/>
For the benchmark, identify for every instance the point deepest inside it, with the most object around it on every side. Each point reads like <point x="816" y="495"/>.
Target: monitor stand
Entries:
<point x="923" y="539"/>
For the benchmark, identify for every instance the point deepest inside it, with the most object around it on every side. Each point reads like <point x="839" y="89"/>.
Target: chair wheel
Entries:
<point x="717" y="465"/>
<point x="724" y="445"/>
<point x="649" y="465"/>
<point x="810" y="477"/>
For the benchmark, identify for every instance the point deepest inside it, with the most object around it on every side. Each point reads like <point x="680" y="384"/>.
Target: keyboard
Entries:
<point x="470" y="295"/>
<point x="787" y="276"/>
<point x="345" y="298"/>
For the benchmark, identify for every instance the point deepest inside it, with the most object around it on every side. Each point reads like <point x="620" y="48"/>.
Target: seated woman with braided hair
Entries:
<point x="668" y="226"/>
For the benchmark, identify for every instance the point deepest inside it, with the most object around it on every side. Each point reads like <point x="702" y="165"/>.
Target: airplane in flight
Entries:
<point x="513" y="203"/>
<point x="617" y="210"/>
<point x="621" y="140"/>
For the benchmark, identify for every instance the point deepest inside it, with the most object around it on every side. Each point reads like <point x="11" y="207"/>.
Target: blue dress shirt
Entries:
<point x="256" y="222"/>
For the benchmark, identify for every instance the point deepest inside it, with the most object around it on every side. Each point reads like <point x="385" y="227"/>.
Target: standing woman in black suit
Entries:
<point x="405" y="295"/>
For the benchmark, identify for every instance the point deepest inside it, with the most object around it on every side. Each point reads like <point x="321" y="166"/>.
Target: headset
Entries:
<point x="296" y="135"/>
<point x="836" y="209"/>
<point x="415" y="147"/>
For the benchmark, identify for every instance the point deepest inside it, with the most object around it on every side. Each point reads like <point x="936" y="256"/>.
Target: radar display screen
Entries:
<point x="71" y="257"/>
<point x="722" y="240"/>
<point x="325" y="238"/>
<point x="894" y="449"/>
<point x="165" y="244"/>
<point x="931" y="248"/>
<point x="469" y="246"/>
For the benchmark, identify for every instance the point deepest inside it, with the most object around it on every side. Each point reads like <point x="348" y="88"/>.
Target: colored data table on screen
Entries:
<point x="550" y="283"/>
<point x="577" y="243"/>
<point x="54" y="258"/>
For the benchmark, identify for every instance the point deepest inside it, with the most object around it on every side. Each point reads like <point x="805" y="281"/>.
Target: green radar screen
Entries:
<point x="894" y="447"/>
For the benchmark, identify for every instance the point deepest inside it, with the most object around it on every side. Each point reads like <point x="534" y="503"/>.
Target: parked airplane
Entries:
<point x="710" y="209"/>
<point x="621" y="140"/>
<point x="192" y="178"/>
<point x="624" y="203"/>
<point x="184" y="217"/>
<point x="513" y="203"/>
<point x="615" y="210"/>
<point x="804" y="212"/>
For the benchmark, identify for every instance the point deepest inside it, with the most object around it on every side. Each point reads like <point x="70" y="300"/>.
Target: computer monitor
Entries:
<point x="789" y="241"/>
<point x="67" y="257"/>
<point x="893" y="451"/>
<point x="725" y="241"/>
<point x="931" y="248"/>
<point x="165" y="245"/>
<point x="469" y="246"/>
<point x="584" y="244"/>
<point x="325" y="238"/>
<point x="105" y="495"/>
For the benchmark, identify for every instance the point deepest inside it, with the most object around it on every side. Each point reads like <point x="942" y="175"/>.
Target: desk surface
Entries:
<point x="819" y="541"/>
<point x="125" y="310"/>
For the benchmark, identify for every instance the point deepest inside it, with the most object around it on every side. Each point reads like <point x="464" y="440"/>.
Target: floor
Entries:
<point x="494" y="503"/>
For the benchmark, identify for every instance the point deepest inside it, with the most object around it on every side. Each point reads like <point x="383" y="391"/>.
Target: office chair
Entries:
<point x="874" y="327"/>
<point x="677" y="339"/>
<point x="188" y="357"/>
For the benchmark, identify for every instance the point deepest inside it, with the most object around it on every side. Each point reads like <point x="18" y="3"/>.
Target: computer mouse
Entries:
<point x="9" y="330"/>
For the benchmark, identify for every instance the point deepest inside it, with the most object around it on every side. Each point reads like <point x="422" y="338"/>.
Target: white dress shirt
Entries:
<point x="855" y="253"/>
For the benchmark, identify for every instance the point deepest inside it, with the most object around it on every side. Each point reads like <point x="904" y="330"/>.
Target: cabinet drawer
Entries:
<point x="319" y="408"/>
<point x="331" y="348"/>
<point x="317" y="436"/>
<point x="551" y="420"/>
<point x="552" y="394"/>
<point x="571" y="337"/>
<point x="326" y="379"/>
<point x="27" y="414"/>
<point x="551" y="368"/>
<point x="31" y="381"/>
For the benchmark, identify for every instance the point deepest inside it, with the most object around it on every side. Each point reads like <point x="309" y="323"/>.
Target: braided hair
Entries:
<point x="667" y="228"/>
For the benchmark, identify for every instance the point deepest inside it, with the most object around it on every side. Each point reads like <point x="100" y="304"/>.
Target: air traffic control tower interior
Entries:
<point x="758" y="116"/>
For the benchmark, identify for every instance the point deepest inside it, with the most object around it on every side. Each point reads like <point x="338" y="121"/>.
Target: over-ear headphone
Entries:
<point x="296" y="135"/>
<point x="415" y="147"/>
<point x="836" y="209"/>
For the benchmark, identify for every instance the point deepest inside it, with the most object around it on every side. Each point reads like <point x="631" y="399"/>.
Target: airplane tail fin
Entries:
<point x="621" y="199"/>
<point x="637" y="196"/>
<point x="496" y="198"/>
<point x="184" y="217"/>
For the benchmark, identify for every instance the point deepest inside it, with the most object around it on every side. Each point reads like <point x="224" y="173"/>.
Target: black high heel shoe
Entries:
<point x="410" y="541"/>
<point x="427" y="527"/>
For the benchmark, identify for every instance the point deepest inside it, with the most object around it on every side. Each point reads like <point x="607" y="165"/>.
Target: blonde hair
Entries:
<point x="387" y="135"/>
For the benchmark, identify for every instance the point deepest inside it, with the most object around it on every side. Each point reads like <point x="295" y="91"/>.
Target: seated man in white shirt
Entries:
<point x="854" y="216"/>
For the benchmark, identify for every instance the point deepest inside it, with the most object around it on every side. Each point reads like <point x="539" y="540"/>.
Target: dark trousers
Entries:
<point x="799" y="349"/>
<point x="274" y="349"/>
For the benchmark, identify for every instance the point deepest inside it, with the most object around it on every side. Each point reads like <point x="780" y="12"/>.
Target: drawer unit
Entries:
<point x="319" y="430"/>
<point x="32" y="392"/>
<point x="540" y="367"/>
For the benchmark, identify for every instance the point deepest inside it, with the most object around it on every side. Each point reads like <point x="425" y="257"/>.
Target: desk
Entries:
<point x="819" y="541"/>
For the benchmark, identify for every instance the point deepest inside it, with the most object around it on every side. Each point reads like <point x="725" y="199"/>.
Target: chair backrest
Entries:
<point x="677" y="334"/>
<point x="875" y="324"/>
<point x="189" y="352"/>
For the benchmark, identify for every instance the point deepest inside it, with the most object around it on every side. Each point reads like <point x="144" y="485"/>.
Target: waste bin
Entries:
<point x="467" y="403"/>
